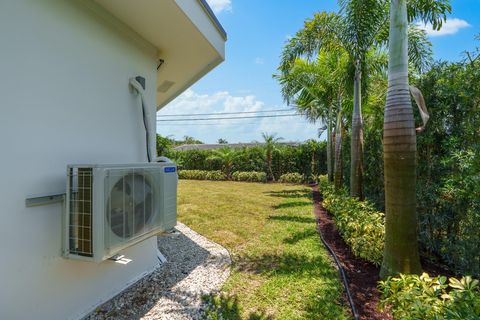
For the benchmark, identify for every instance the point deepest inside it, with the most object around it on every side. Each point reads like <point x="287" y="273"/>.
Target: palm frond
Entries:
<point x="419" y="48"/>
<point x="429" y="11"/>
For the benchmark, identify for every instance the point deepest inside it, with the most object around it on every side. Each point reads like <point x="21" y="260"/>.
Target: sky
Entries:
<point x="257" y="31"/>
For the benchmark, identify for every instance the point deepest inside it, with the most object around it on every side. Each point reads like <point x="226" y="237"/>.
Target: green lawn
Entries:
<point x="280" y="268"/>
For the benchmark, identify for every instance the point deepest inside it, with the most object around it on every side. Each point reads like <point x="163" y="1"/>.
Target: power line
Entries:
<point x="223" y="113"/>
<point x="230" y="118"/>
<point x="209" y="124"/>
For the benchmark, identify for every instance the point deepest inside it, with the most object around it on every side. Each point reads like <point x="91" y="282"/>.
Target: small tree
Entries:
<point x="226" y="157"/>
<point x="271" y="142"/>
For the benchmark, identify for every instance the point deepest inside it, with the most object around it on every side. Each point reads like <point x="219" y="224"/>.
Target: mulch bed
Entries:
<point x="362" y="275"/>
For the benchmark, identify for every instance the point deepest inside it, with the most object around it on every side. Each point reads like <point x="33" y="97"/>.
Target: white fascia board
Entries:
<point x="204" y="19"/>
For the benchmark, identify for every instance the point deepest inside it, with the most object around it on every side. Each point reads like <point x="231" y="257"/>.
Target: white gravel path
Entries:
<point x="195" y="266"/>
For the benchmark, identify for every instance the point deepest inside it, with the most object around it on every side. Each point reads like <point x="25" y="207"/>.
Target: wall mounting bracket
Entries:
<point x="42" y="200"/>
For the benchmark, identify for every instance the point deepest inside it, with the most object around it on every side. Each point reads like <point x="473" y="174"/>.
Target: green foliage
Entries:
<point x="448" y="169"/>
<point x="424" y="297"/>
<point x="293" y="177"/>
<point x="249" y="176"/>
<point x="216" y="175"/>
<point x="359" y="223"/>
<point x="308" y="159"/>
<point x="226" y="158"/>
<point x="448" y="182"/>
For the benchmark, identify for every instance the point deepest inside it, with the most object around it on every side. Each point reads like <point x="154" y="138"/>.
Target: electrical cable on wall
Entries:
<point x="138" y="84"/>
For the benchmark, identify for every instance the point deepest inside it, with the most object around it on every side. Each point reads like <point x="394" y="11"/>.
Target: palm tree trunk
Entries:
<point x="329" y="145"/>
<point x="269" y="164"/>
<point x="338" y="168"/>
<point x="399" y="144"/>
<point x="356" y="153"/>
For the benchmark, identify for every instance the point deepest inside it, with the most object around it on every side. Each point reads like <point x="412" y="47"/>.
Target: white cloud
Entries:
<point x="245" y="130"/>
<point x="451" y="26"/>
<point x="259" y="60"/>
<point x="220" y="5"/>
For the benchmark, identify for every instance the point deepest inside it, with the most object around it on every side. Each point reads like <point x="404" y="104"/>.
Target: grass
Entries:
<point x="280" y="269"/>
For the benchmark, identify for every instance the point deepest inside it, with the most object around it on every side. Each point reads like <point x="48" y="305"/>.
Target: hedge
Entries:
<point x="294" y="177"/>
<point x="308" y="159"/>
<point x="216" y="175"/>
<point x="361" y="226"/>
<point x="249" y="176"/>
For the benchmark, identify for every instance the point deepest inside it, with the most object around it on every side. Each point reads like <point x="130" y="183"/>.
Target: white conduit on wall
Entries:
<point x="151" y="136"/>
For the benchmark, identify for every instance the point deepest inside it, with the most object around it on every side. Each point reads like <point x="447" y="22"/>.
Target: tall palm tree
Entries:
<point x="271" y="141"/>
<point x="338" y="169"/>
<point x="313" y="88"/>
<point x="399" y="144"/>
<point x="358" y="28"/>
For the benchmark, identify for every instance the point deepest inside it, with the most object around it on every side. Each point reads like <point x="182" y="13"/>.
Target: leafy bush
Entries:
<point x="250" y="176"/>
<point x="359" y="223"/>
<point x="201" y="175"/>
<point x="308" y="158"/>
<point x="423" y="297"/>
<point x="294" y="177"/>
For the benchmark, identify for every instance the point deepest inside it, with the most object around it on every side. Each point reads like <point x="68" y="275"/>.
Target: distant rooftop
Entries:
<point x="186" y="147"/>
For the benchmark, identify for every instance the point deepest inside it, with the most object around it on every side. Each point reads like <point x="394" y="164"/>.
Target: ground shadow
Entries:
<point x="228" y="307"/>
<point x="296" y="193"/>
<point x="291" y="205"/>
<point x="299" y="236"/>
<point x="292" y="219"/>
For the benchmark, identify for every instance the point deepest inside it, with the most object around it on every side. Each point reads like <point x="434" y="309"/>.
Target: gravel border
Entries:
<point x="195" y="266"/>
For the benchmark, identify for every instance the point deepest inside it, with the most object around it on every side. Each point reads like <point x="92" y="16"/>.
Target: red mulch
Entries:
<point x="361" y="275"/>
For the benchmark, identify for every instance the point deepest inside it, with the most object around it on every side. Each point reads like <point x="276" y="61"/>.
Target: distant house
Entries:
<point x="205" y="146"/>
<point x="65" y="99"/>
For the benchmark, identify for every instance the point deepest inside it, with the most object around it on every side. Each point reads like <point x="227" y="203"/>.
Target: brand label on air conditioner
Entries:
<point x="169" y="169"/>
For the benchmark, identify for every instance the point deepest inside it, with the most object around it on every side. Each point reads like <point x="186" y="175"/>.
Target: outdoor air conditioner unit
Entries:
<point x="111" y="207"/>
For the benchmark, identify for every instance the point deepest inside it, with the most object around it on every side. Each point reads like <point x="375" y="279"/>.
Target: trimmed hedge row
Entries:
<point x="308" y="158"/>
<point x="359" y="223"/>
<point x="291" y="178"/>
<point x="215" y="175"/>
<point x="423" y="297"/>
<point x="249" y="176"/>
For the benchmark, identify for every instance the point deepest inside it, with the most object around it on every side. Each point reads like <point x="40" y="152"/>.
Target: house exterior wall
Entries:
<point x="64" y="99"/>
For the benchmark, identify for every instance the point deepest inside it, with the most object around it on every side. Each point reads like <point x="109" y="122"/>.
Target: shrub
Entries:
<point x="291" y="178"/>
<point x="215" y="175"/>
<point x="201" y="175"/>
<point x="423" y="297"/>
<point x="361" y="226"/>
<point x="250" y="176"/>
<point x="308" y="158"/>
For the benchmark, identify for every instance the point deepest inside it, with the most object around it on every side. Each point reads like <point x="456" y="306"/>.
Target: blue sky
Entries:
<point x="257" y="30"/>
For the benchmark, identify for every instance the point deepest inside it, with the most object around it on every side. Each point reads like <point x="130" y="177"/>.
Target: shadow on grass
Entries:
<point x="299" y="236"/>
<point x="222" y="306"/>
<point x="292" y="219"/>
<point x="283" y="264"/>
<point x="292" y="204"/>
<point x="296" y="193"/>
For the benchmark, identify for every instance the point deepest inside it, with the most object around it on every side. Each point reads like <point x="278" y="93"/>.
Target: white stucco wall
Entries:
<point x="64" y="99"/>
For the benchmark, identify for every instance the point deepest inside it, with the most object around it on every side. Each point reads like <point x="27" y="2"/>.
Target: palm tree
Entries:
<point x="358" y="29"/>
<point x="399" y="143"/>
<point x="226" y="156"/>
<point x="338" y="168"/>
<point x="271" y="141"/>
<point x="312" y="87"/>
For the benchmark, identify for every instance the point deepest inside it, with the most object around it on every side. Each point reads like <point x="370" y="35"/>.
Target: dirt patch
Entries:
<point x="362" y="275"/>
